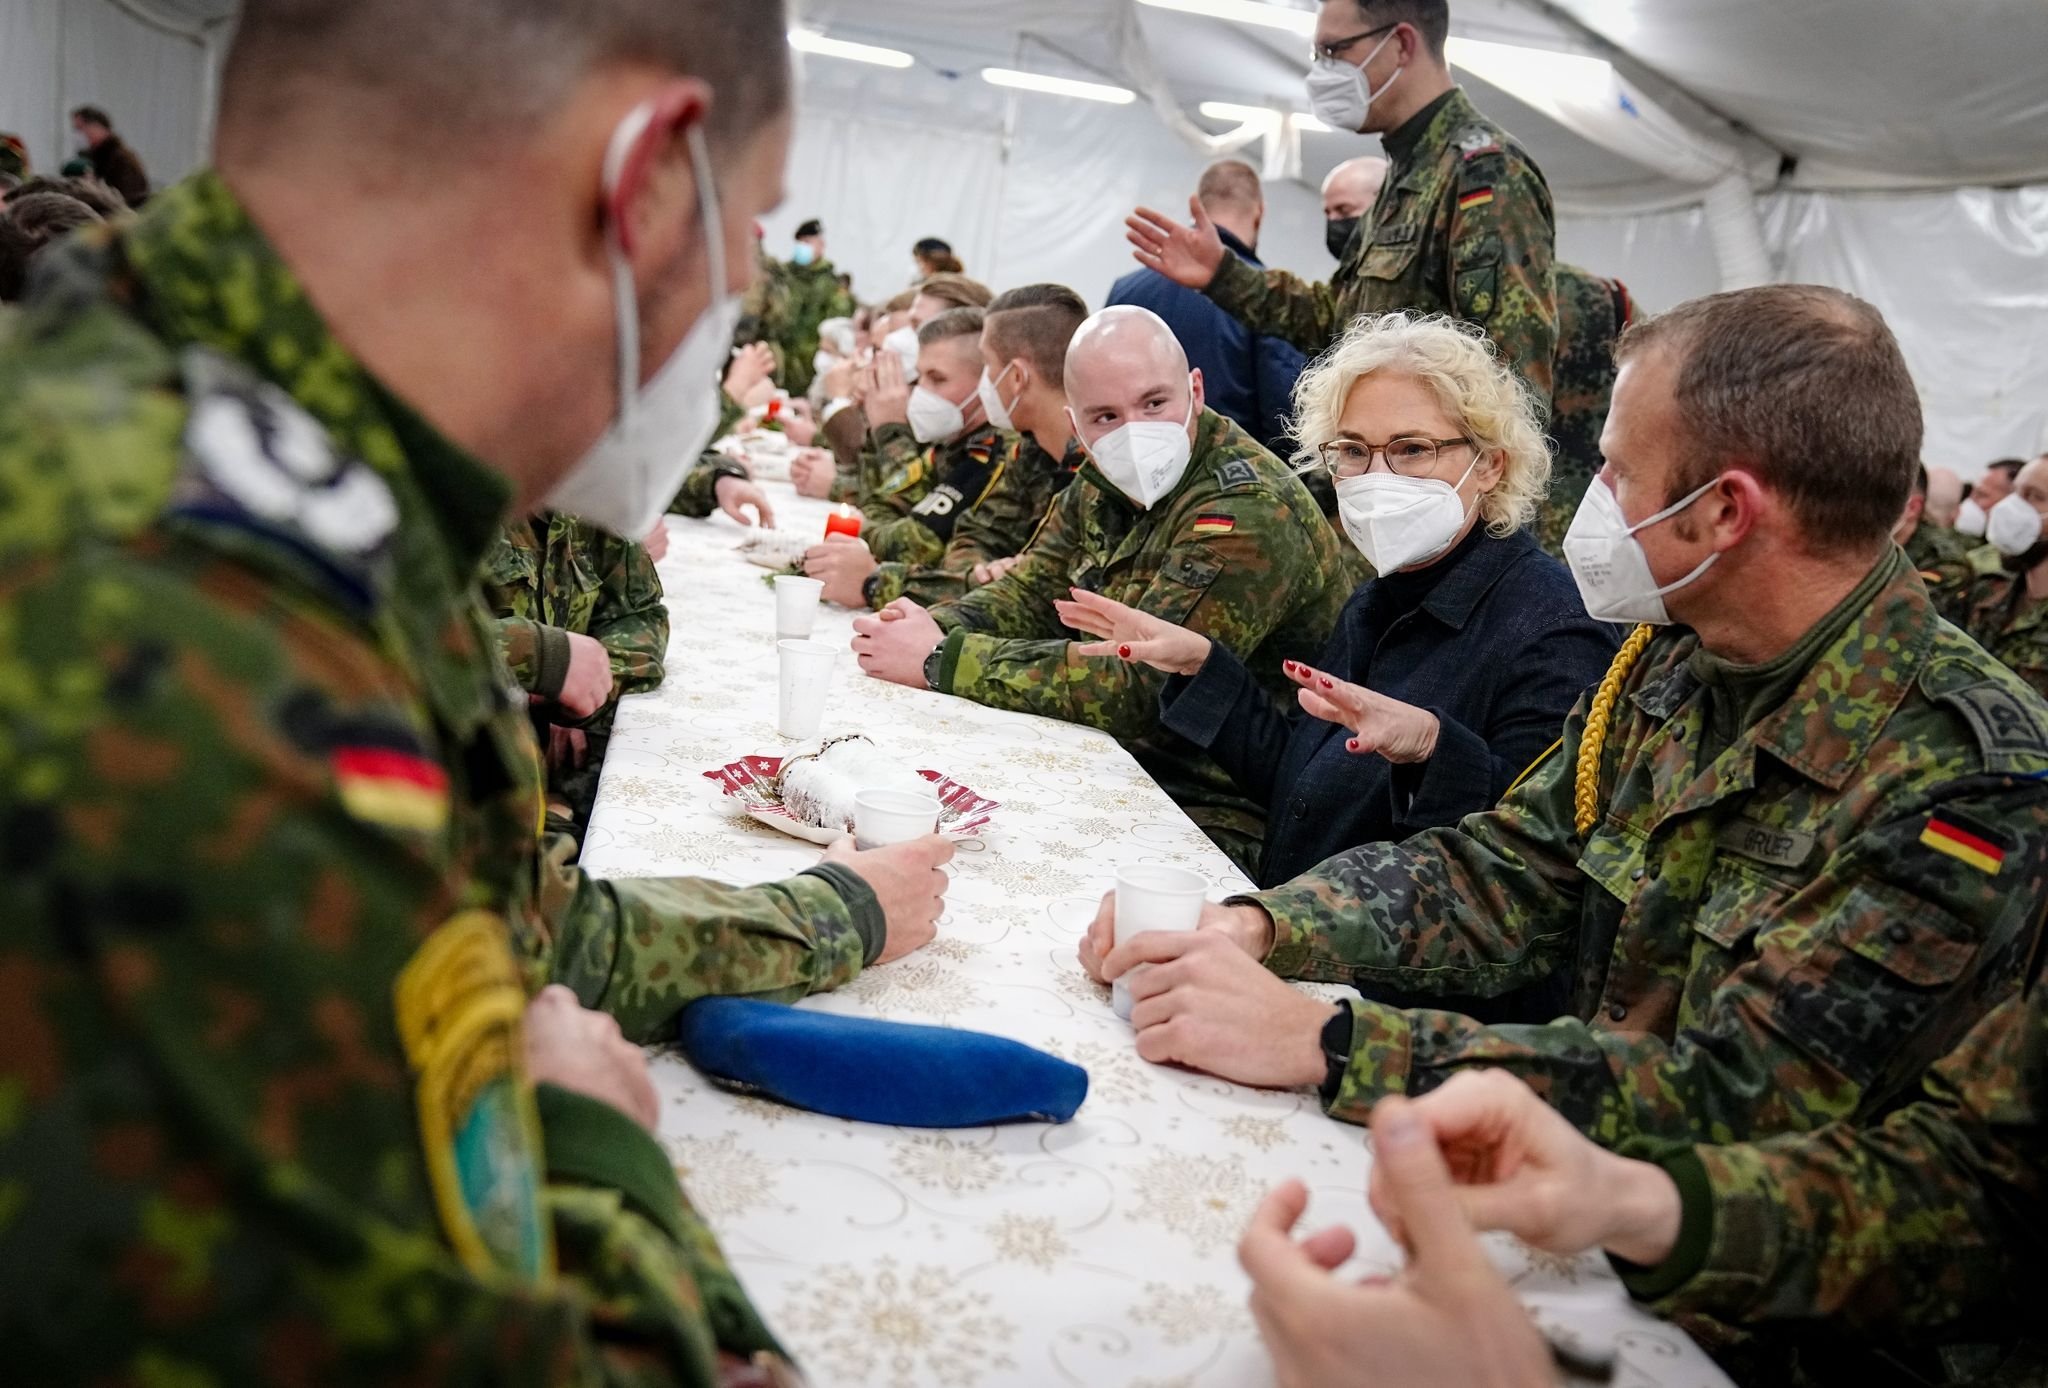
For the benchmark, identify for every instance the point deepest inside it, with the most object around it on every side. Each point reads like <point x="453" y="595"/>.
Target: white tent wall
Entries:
<point x="153" y="80"/>
<point x="1962" y="276"/>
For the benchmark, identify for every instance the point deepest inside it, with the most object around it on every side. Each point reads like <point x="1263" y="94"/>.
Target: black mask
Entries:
<point x="1337" y="234"/>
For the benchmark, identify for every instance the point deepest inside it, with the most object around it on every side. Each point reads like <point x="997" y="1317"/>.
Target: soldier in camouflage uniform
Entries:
<point x="810" y="292"/>
<point x="552" y="578"/>
<point x="1784" y="881"/>
<point x="764" y="312"/>
<point x="1591" y="316"/>
<point x="1939" y="554"/>
<point x="1463" y="226"/>
<point x="1998" y="600"/>
<point x="275" y="896"/>
<point x="1234" y="548"/>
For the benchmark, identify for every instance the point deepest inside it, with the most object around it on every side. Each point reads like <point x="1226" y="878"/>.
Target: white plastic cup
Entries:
<point x="1153" y="898"/>
<point x="796" y="607"/>
<point x="885" y="817"/>
<point x="806" y="678"/>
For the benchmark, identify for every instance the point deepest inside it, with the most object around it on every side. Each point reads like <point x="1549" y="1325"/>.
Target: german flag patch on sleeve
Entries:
<point x="1478" y="197"/>
<point x="399" y="790"/>
<point x="1214" y="523"/>
<point x="1947" y="834"/>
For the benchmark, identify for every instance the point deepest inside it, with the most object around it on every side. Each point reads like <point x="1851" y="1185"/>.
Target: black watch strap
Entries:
<point x="1336" y="1043"/>
<point x="932" y="663"/>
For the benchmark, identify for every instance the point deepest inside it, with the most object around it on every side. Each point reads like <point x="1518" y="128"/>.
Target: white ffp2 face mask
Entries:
<point x="903" y="342"/>
<point x="629" y="476"/>
<point x="1146" y="458"/>
<point x="2013" y="526"/>
<point x="1608" y="562"/>
<point x="1337" y="90"/>
<point x="992" y="399"/>
<point x="934" y="418"/>
<point x="1398" y="522"/>
<point x="1971" y="520"/>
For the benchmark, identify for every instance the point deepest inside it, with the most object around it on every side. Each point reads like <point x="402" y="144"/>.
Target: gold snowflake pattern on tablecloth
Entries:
<point x="1042" y="759"/>
<point x="1081" y="988"/>
<point x="1183" y="1315"/>
<point x="1115" y="1073"/>
<point x="875" y="1324"/>
<point x="942" y="1163"/>
<point x="722" y="1178"/>
<point x="760" y="1110"/>
<point x="642" y="791"/>
<point x="920" y="985"/>
<point x="670" y="845"/>
<point x="1030" y="879"/>
<point x="1555" y="1268"/>
<point x="1205" y="1200"/>
<point x="1034" y="1240"/>
<point x="1262" y="1133"/>
<point x="1097" y="826"/>
<point x="946" y="947"/>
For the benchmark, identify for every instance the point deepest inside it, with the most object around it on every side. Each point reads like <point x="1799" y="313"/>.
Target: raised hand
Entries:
<point x="1187" y="255"/>
<point x="1129" y="634"/>
<point x="1401" y="733"/>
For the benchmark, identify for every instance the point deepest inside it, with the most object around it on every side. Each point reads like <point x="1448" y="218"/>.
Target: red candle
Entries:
<point x="843" y="521"/>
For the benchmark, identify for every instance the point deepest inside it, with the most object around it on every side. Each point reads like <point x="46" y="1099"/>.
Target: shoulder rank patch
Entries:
<point x="1236" y="473"/>
<point x="1965" y="842"/>
<point x="2008" y="731"/>
<point x="1478" y="197"/>
<point x="381" y="785"/>
<point x="258" y="464"/>
<point x="1214" y="523"/>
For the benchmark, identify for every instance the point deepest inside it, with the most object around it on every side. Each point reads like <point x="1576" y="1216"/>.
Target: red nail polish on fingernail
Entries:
<point x="1352" y="745"/>
<point x="1124" y="651"/>
<point x="1328" y="685"/>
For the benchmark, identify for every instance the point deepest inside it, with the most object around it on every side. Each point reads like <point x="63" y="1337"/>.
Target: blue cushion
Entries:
<point x="874" y="1071"/>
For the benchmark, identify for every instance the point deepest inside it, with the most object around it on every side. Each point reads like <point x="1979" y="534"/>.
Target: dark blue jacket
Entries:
<point x="1248" y="378"/>
<point x="1493" y="639"/>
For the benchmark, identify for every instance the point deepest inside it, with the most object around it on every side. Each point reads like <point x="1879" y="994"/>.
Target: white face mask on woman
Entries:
<point x="1398" y="522"/>
<point x="627" y="479"/>
<point x="1608" y="562"/>
<point x="2013" y="526"/>
<point x="1146" y="458"/>
<point x="903" y="342"/>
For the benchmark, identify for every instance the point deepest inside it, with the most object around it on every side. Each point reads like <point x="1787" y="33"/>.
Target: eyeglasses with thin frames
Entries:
<point x="1405" y="457"/>
<point x="1335" y="52"/>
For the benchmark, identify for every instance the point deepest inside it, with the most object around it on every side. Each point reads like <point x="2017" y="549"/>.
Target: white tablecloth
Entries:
<point x="1099" y="1252"/>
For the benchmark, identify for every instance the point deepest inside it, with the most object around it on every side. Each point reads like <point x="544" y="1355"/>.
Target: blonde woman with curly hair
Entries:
<point x="1449" y="673"/>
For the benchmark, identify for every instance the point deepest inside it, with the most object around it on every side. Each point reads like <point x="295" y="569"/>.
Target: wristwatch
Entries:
<point x="867" y="587"/>
<point x="932" y="663"/>
<point x="1336" y="1045"/>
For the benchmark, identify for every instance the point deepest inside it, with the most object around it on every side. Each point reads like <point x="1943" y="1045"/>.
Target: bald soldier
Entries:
<point x="274" y="1105"/>
<point x="1464" y="225"/>
<point x="1349" y="193"/>
<point x="1178" y="513"/>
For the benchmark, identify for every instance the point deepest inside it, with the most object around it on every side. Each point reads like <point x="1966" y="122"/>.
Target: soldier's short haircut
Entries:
<point x="2009" y="466"/>
<point x="1920" y="480"/>
<point x="1431" y="18"/>
<point x="1230" y="183"/>
<point x="93" y="115"/>
<point x="1805" y="388"/>
<point x="954" y="289"/>
<point x="477" y="70"/>
<point x="900" y="302"/>
<point x="1037" y="323"/>
<point x="954" y="322"/>
<point x="43" y="217"/>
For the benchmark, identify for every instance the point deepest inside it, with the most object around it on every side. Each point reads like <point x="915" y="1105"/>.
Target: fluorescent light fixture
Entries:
<point x="1057" y="86"/>
<point x="1243" y="115"/>
<point x="1262" y="116"/>
<point x="1244" y="12"/>
<point x="811" y="41"/>
<point x="1518" y="70"/>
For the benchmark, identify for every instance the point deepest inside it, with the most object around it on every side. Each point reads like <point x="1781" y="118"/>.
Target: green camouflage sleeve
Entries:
<point x="1278" y="303"/>
<point x="698" y="496"/>
<point x="1503" y="243"/>
<point x="1908" y="1225"/>
<point x="631" y="619"/>
<point x="1787" y="1042"/>
<point x="895" y="471"/>
<point x="201" y="1048"/>
<point x="1019" y="604"/>
<point x="903" y="540"/>
<point x="643" y="948"/>
<point x="925" y="587"/>
<point x="1233" y="589"/>
<point x="1003" y="522"/>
